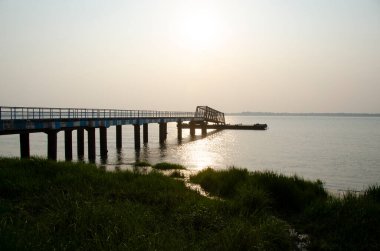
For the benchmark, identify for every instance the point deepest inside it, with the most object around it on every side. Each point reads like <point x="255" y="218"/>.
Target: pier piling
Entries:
<point x="204" y="129"/>
<point x="52" y="144"/>
<point x="163" y="128"/>
<point x="91" y="144"/>
<point x="137" y="136"/>
<point x="192" y="129"/>
<point x="68" y="145"/>
<point x="80" y="143"/>
<point x="24" y="145"/>
<point x="179" y="129"/>
<point x="103" y="141"/>
<point x="145" y="133"/>
<point x="119" y="141"/>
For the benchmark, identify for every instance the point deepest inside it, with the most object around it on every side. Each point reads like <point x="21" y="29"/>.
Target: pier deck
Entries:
<point x="26" y="120"/>
<point x="228" y="126"/>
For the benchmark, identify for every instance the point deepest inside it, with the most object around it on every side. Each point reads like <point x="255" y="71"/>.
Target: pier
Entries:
<point x="226" y="126"/>
<point x="26" y="120"/>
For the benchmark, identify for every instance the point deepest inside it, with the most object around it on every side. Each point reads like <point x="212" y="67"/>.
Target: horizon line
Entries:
<point x="347" y="114"/>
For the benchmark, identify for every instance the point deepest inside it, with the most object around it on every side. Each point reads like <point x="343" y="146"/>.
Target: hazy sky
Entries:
<point x="235" y="55"/>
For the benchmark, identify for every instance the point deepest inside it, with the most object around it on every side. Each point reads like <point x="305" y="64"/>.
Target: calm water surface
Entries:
<point x="343" y="152"/>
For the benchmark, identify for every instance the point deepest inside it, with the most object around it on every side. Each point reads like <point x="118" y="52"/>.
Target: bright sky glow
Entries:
<point x="243" y="55"/>
<point x="200" y="29"/>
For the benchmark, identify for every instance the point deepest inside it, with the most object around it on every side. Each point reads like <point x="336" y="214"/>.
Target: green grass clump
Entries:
<point x="372" y="193"/>
<point x="167" y="166"/>
<point x="348" y="223"/>
<point x="177" y="174"/>
<point x="141" y="164"/>
<point x="220" y="183"/>
<point x="285" y="194"/>
<point x="48" y="205"/>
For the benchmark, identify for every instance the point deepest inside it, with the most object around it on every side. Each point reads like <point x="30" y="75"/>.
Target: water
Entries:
<point x="343" y="152"/>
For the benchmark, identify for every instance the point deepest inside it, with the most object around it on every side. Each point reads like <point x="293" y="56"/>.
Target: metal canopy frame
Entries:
<point x="210" y="115"/>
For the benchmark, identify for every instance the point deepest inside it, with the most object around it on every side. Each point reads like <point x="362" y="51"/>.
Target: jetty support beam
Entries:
<point x="204" y="129"/>
<point x="179" y="129"/>
<point x="52" y="144"/>
<point x="80" y="143"/>
<point x="24" y="145"/>
<point x="68" y="144"/>
<point x="137" y="136"/>
<point x="163" y="127"/>
<point x="91" y="144"/>
<point x="103" y="141"/>
<point x="192" y="129"/>
<point x="119" y="141"/>
<point x="145" y="133"/>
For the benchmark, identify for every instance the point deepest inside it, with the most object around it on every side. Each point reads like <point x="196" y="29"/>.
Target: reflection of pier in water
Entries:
<point x="26" y="120"/>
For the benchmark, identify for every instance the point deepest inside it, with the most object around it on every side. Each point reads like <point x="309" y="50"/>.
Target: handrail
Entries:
<point x="41" y="113"/>
<point x="210" y="115"/>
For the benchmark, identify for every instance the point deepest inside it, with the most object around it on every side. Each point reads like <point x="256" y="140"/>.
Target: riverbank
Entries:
<point x="74" y="206"/>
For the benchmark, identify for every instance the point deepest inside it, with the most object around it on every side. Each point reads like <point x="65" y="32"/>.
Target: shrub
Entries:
<point x="167" y="166"/>
<point x="177" y="174"/>
<point x="141" y="164"/>
<point x="223" y="183"/>
<point x="285" y="194"/>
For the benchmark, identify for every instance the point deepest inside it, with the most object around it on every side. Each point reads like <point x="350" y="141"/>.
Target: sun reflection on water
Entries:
<point x="202" y="153"/>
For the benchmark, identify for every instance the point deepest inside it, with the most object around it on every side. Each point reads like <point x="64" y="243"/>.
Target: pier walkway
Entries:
<point x="26" y="120"/>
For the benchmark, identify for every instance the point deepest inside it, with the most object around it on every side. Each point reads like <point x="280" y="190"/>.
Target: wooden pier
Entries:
<point x="26" y="120"/>
<point x="227" y="126"/>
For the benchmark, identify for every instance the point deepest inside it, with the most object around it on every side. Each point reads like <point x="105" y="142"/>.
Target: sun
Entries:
<point x="200" y="30"/>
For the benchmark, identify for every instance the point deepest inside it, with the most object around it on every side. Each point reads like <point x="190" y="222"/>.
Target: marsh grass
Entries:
<point x="261" y="189"/>
<point x="141" y="164"/>
<point x="177" y="174"/>
<point x="75" y="206"/>
<point x="48" y="205"/>
<point x="348" y="223"/>
<point x="332" y="223"/>
<point x="168" y="166"/>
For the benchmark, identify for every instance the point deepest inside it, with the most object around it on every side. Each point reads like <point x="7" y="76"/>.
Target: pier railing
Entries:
<point x="210" y="115"/>
<point x="39" y="113"/>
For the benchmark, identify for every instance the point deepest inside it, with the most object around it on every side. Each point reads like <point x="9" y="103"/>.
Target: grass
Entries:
<point x="75" y="206"/>
<point x="141" y="164"/>
<point x="177" y="174"/>
<point x="348" y="223"/>
<point x="48" y="205"/>
<point x="168" y="166"/>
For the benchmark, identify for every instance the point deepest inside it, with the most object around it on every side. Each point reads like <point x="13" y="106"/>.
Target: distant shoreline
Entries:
<point x="304" y="114"/>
